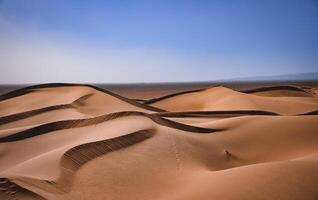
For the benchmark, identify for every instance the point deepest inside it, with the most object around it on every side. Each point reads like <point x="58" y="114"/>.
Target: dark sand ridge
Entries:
<point x="151" y="90"/>
<point x="247" y="91"/>
<point x="82" y="102"/>
<point x="30" y="89"/>
<point x="259" y="154"/>
<point x="67" y="124"/>
<point x="219" y="98"/>
<point x="183" y="127"/>
<point x="31" y="113"/>
<point x="37" y="184"/>
<point x="72" y="160"/>
<point x="28" y="114"/>
<point x="26" y="90"/>
<point x="280" y="87"/>
<point x="235" y="153"/>
<point x="315" y="112"/>
<point x="23" y="115"/>
<point x="225" y="113"/>
<point x="112" y="144"/>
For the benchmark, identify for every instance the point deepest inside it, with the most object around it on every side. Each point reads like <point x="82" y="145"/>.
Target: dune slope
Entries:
<point x="73" y="141"/>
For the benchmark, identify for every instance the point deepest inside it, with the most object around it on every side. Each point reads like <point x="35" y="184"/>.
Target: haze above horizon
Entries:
<point x="155" y="41"/>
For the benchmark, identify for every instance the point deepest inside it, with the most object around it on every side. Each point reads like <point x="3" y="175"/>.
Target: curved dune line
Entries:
<point x="80" y="100"/>
<point x="72" y="123"/>
<point x="140" y="100"/>
<point x="31" y="113"/>
<point x="247" y="91"/>
<point x="215" y="113"/>
<point x="77" y="156"/>
<point x="26" y="90"/>
<point x="23" y="115"/>
<point x="315" y="112"/>
<point x="150" y="101"/>
<point x="67" y="124"/>
<point x="271" y="88"/>
<point x="15" y="93"/>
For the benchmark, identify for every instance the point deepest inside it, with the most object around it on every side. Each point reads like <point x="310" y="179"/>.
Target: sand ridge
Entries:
<point x="78" y="141"/>
<point x="219" y="98"/>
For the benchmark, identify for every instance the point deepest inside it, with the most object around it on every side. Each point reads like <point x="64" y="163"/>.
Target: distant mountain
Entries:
<point x="287" y="77"/>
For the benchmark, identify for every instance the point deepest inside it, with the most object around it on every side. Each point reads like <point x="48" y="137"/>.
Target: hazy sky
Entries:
<point x="155" y="40"/>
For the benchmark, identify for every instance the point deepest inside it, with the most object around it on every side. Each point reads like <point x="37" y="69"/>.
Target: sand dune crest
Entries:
<point x="77" y="141"/>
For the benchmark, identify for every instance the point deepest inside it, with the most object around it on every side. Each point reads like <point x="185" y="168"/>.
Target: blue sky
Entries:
<point x="155" y="41"/>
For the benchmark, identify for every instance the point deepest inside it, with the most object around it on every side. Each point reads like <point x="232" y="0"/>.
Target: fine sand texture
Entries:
<point x="77" y="141"/>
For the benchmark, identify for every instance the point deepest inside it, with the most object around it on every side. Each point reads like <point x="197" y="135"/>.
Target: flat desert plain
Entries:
<point x="77" y="141"/>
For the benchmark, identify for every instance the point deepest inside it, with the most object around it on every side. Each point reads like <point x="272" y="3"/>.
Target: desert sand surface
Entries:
<point x="77" y="141"/>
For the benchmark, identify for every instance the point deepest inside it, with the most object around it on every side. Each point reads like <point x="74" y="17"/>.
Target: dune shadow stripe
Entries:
<point x="31" y="113"/>
<point x="273" y="88"/>
<point x="27" y="90"/>
<point x="315" y="112"/>
<point x="215" y="113"/>
<point x="150" y="101"/>
<point x="24" y="115"/>
<point x="247" y="91"/>
<point x="67" y="124"/>
<point x="79" y="155"/>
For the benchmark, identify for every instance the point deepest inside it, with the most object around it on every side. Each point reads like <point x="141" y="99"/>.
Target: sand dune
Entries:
<point x="220" y="98"/>
<point x="74" y="141"/>
<point x="34" y="105"/>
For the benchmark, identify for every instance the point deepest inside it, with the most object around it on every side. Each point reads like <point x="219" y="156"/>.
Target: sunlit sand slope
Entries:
<point x="73" y="141"/>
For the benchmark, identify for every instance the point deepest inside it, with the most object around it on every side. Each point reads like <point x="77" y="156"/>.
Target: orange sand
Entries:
<point x="72" y="141"/>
